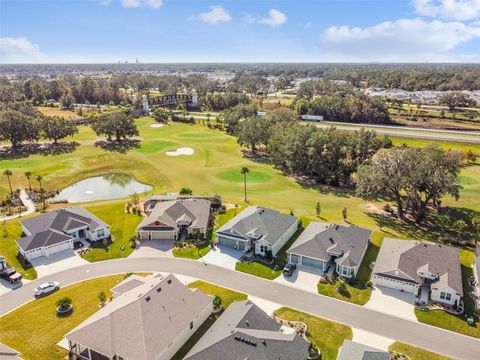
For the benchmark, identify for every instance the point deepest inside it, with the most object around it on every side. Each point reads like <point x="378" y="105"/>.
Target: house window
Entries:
<point x="263" y="248"/>
<point x="442" y="295"/>
<point x="101" y="233"/>
<point x="448" y="297"/>
<point x="191" y="325"/>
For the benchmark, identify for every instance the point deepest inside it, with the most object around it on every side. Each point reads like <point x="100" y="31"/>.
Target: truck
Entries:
<point x="8" y="273"/>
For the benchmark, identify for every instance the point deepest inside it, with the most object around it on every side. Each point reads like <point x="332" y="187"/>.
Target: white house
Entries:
<point x="148" y="319"/>
<point x="322" y="245"/>
<point x="476" y="275"/>
<point x="259" y="229"/>
<point x="429" y="271"/>
<point x="58" y="230"/>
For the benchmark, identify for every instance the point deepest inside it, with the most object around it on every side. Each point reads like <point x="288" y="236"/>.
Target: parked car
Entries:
<point x="47" y="288"/>
<point x="289" y="269"/>
<point x="10" y="275"/>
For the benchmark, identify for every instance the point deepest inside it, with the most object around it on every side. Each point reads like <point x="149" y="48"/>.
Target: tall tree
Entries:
<point x="8" y="173"/>
<point x="56" y="128"/>
<point x="28" y="174"/>
<point x="16" y="127"/>
<point x="39" y="179"/>
<point x="244" y="172"/>
<point x="117" y="125"/>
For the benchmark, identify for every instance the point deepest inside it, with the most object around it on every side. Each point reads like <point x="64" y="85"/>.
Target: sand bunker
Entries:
<point x="180" y="151"/>
<point x="156" y="125"/>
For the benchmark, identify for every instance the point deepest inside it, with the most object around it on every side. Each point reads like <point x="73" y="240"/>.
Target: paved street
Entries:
<point x="425" y="336"/>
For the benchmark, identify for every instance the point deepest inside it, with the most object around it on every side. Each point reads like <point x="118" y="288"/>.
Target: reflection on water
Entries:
<point x="105" y="187"/>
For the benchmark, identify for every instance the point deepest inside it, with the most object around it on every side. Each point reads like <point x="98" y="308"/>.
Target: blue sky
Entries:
<point x="240" y="31"/>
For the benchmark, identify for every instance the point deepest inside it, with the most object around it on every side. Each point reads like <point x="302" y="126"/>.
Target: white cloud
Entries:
<point x="217" y="14"/>
<point x="151" y="4"/>
<point x="461" y="10"/>
<point x="19" y="50"/>
<point x="275" y="18"/>
<point x="401" y="40"/>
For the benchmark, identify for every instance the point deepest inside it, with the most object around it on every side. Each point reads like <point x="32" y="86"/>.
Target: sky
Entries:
<point x="106" y="31"/>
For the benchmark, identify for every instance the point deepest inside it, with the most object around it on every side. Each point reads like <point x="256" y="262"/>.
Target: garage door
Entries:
<point x="223" y="241"/>
<point x="162" y="235"/>
<point x="312" y="262"/>
<point x="294" y="258"/>
<point x="395" y="284"/>
<point x="60" y="247"/>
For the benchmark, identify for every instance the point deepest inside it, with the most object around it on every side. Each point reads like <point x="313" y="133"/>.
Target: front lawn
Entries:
<point x="451" y="322"/>
<point x="35" y="329"/>
<point x="415" y="353"/>
<point x="193" y="252"/>
<point x="358" y="292"/>
<point x="327" y="335"/>
<point x="123" y="228"/>
<point x="257" y="269"/>
<point x="228" y="296"/>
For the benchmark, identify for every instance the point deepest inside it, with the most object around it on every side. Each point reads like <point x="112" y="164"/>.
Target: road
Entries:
<point x="421" y="335"/>
<point x="429" y="134"/>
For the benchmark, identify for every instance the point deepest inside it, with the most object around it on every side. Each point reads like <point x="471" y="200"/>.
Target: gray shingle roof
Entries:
<point x="7" y="353"/>
<point x="238" y="335"/>
<point x="318" y="239"/>
<point x="41" y="239"/>
<point x="265" y="223"/>
<point x="351" y="350"/>
<point x="195" y="211"/>
<point x="401" y="259"/>
<point x="141" y="323"/>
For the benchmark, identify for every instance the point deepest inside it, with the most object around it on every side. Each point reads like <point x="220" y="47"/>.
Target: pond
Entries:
<point x="104" y="187"/>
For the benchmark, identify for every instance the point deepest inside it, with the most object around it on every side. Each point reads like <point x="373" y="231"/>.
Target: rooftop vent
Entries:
<point x="159" y="289"/>
<point x="264" y="342"/>
<point x="147" y="298"/>
<point x="169" y="281"/>
<point x="247" y="323"/>
<point x="331" y="240"/>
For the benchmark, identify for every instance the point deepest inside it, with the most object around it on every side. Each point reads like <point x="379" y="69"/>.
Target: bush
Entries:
<point x="217" y="301"/>
<point x="102" y="297"/>
<point x="64" y="303"/>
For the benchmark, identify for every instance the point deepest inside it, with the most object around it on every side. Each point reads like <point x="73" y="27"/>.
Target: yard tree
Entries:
<point x="161" y="115"/>
<point x="443" y="223"/>
<point x="56" y="128"/>
<point x="185" y="191"/>
<point x="39" y="179"/>
<point x="244" y="172"/>
<point x="9" y="173"/>
<point x="344" y="214"/>
<point x="459" y="227"/>
<point x="42" y="194"/>
<point x="318" y="209"/>
<point x="476" y="227"/>
<point x="28" y="175"/>
<point x="233" y="116"/>
<point x="253" y="132"/>
<point x="454" y="99"/>
<point x="17" y="127"/>
<point x="117" y="125"/>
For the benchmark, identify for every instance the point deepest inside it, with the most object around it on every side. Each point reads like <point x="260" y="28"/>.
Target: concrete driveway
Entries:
<point x="304" y="278"/>
<point x="393" y="302"/>
<point x="57" y="262"/>
<point x="223" y="256"/>
<point x="154" y="248"/>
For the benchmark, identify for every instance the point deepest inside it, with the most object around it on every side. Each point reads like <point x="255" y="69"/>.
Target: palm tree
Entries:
<point x="8" y="173"/>
<point x="42" y="193"/>
<point x="244" y="172"/>
<point x="39" y="179"/>
<point x="28" y="174"/>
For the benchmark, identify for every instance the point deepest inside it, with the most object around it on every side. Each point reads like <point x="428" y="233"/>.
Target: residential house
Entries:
<point x="427" y="270"/>
<point x="351" y="350"/>
<point x="476" y="275"/>
<point x="150" y="321"/>
<point x="7" y="353"/>
<point x="259" y="229"/>
<point x="244" y="331"/>
<point x="152" y="200"/>
<point x="58" y="230"/>
<point x="321" y="245"/>
<point x="170" y="220"/>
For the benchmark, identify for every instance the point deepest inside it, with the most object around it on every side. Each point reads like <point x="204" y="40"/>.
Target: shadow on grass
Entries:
<point x="44" y="149"/>
<point x="118" y="146"/>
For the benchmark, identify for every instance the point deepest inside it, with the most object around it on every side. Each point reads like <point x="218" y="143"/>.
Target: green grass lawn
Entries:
<point x="358" y="292"/>
<point x="193" y="252"/>
<point x="415" y="353"/>
<point x="123" y="227"/>
<point x="228" y="296"/>
<point x="451" y="322"/>
<point x="35" y="329"/>
<point x="327" y="335"/>
<point x="257" y="269"/>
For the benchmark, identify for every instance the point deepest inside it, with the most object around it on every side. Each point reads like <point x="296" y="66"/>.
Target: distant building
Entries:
<point x="149" y="321"/>
<point x="312" y="118"/>
<point x="429" y="271"/>
<point x="57" y="230"/>
<point x="244" y="331"/>
<point x="259" y="229"/>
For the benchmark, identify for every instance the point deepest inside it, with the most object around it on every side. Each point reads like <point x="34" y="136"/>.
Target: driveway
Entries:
<point x="304" y="278"/>
<point x="371" y="339"/>
<point x="393" y="302"/>
<point x="57" y="262"/>
<point x="379" y="322"/>
<point x="154" y="248"/>
<point x="223" y="256"/>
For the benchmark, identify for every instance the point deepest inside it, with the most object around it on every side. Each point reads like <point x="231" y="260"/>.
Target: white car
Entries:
<point x="47" y="288"/>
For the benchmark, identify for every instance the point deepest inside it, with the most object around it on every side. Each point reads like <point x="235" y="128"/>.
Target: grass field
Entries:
<point x="327" y="335"/>
<point x="227" y="296"/>
<point x="35" y="329"/>
<point x="415" y="353"/>
<point x="55" y="111"/>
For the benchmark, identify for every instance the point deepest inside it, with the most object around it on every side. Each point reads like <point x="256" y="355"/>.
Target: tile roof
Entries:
<point x="260" y="223"/>
<point x="320" y="239"/>
<point x="402" y="259"/>
<point x="141" y="323"/>
<point x="244" y="331"/>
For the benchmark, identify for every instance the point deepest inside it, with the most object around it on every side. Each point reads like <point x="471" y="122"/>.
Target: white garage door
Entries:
<point x="162" y="235"/>
<point x="395" y="284"/>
